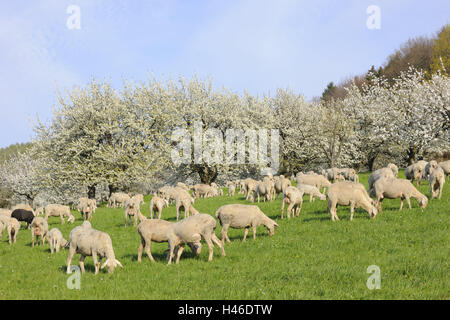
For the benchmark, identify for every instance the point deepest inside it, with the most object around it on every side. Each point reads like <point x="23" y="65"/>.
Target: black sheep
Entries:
<point x="23" y="215"/>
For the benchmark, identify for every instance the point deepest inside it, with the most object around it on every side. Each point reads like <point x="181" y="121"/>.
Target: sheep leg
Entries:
<point x="289" y="209"/>
<point x="141" y="247"/>
<point x="208" y="241"/>
<point x="179" y="252"/>
<point x="160" y="212"/>
<point x="217" y="242"/>
<point x="171" y="247"/>
<point x="57" y="246"/>
<point x="96" y="263"/>
<point x="254" y="232"/>
<point x="81" y="262"/>
<point x="245" y="234"/>
<point x="32" y="239"/>
<point x="224" y="233"/>
<point x="69" y="259"/>
<point x="408" y="201"/>
<point x="62" y="219"/>
<point x="282" y="208"/>
<point x="310" y="197"/>
<point x="352" y="210"/>
<point x="401" y="204"/>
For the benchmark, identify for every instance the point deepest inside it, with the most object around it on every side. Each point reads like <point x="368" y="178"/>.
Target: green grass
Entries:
<point x="310" y="257"/>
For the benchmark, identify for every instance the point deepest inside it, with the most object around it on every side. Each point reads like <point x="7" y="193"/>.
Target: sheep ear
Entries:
<point x="104" y="265"/>
<point x="118" y="263"/>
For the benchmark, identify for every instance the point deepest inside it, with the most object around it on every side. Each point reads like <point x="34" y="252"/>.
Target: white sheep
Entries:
<point x="58" y="210"/>
<point x="263" y="189"/>
<point x="280" y="186"/>
<point x="394" y="169"/>
<point x="317" y="181"/>
<point x="87" y="241"/>
<point x="39" y="228"/>
<point x="294" y="197"/>
<point x="445" y="165"/>
<point x="11" y="225"/>
<point x="351" y="194"/>
<point x="380" y="173"/>
<point x="393" y="188"/>
<point x="191" y="231"/>
<point x="184" y="201"/>
<point x="157" y="203"/>
<point x="437" y="180"/>
<point x="132" y="209"/>
<point x="241" y="216"/>
<point x="311" y="191"/>
<point x="56" y="240"/>
<point x="431" y="165"/>
<point x="414" y="172"/>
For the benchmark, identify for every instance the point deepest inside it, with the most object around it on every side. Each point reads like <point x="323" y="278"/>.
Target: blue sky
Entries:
<point x="252" y="45"/>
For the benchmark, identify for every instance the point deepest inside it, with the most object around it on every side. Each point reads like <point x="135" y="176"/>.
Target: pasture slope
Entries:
<point x="309" y="257"/>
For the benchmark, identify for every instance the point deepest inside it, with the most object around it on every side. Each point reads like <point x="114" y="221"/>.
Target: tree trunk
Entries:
<point x="207" y="174"/>
<point x="112" y="189"/>
<point x="411" y="155"/>
<point x="371" y="162"/>
<point x="91" y="192"/>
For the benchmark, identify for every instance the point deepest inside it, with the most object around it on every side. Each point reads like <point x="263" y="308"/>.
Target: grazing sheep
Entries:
<point x="437" y="180"/>
<point x="394" y="169"/>
<point x="332" y="174"/>
<point x="151" y="230"/>
<point x="191" y="231"/>
<point x="39" y="211"/>
<point x="414" y="172"/>
<point x="249" y="187"/>
<point x="263" y="189"/>
<point x="5" y="212"/>
<point x="56" y="240"/>
<point x="23" y="215"/>
<point x="118" y="199"/>
<point x="86" y="207"/>
<point x="445" y="165"/>
<point x="311" y="191"/>
<point x="393" y="188"/>
<point x="380" y="173"/>
<point x="90" y="242"/>
<point x="294" y="197"/>
<point x="58" y="210"/>
<point x="351" y="194"/>
<point x="39" y="228"/>
<point x="157" y="203"/>
<point x="317" y="181"/>
<point x="239" y="216"/>
<point x="349" y="174"/>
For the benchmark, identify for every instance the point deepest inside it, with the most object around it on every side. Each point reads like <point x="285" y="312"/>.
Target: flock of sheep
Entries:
<point x="343" y="187"/>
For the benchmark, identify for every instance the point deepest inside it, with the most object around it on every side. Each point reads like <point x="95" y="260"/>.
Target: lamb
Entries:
<point x="414" y="173"/>
<point x="56" y="240"/>
<point x="351" y="194"/>
<point x="317" y="181"/>
<point x="437" y="180"/>
<point x="380" y="173"/>
<point x="157" y="203"/>
<point x="90" y="242"/>
<point x="249" y="187"/>
<point x="11" y="225"/>
<point x="191" y="231"/>
<point x="239" y="216"/>
<point x="23" y="215"/>
<point x="39" y="228"/>
<point x="393" y="188"/>
<point x="57" y="210"/>
<point x="294" y="197"/>
<point x="394" y="169"/>
<point x="132" y="209"/>
<point x="151" y="230"/>
<point x="445" y="165"/>
<point x="311" y="191"/>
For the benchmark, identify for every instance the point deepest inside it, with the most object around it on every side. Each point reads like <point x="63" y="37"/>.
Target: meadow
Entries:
<point x="309" y="257"/>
